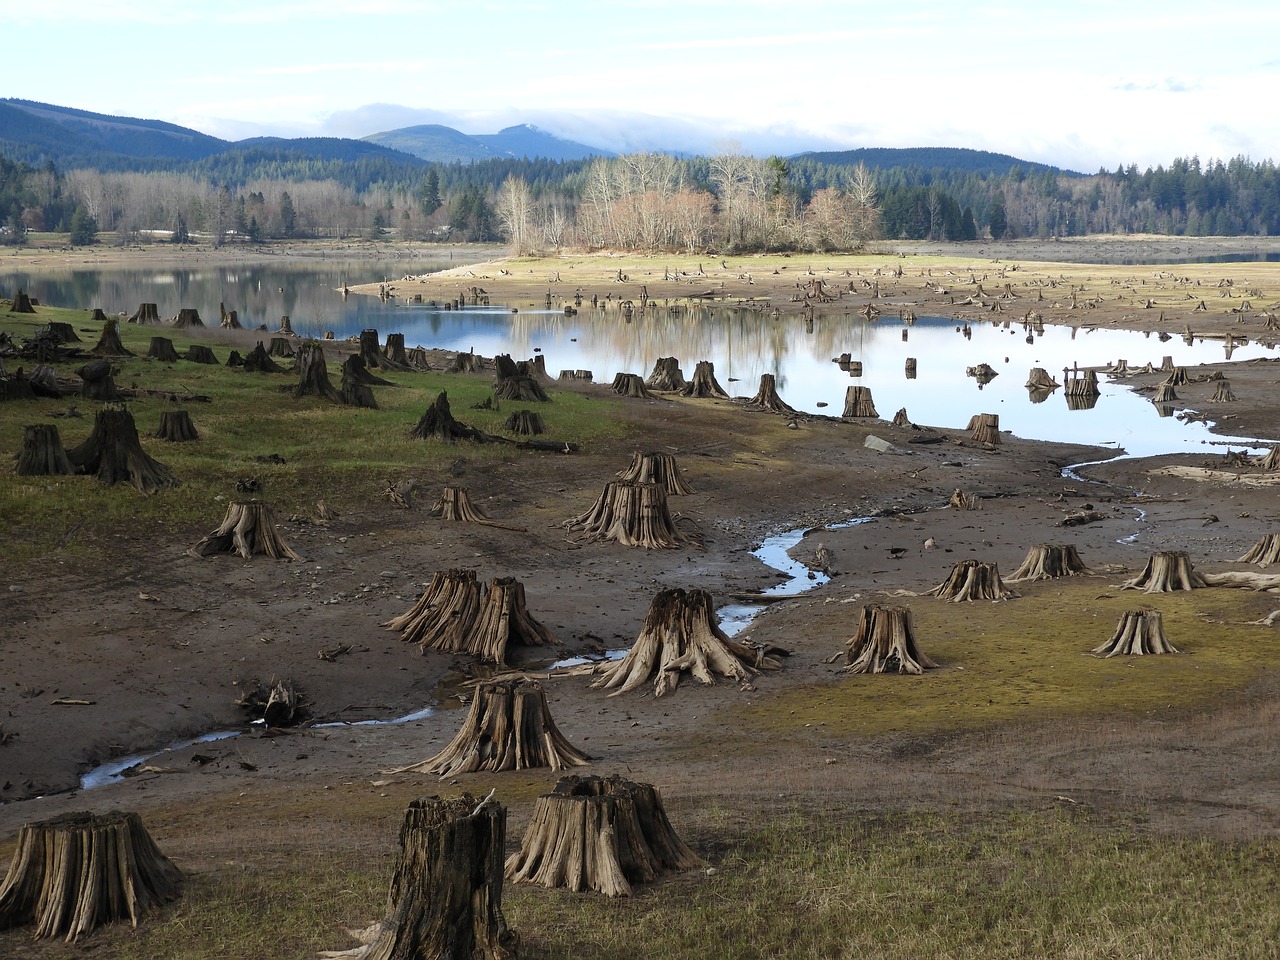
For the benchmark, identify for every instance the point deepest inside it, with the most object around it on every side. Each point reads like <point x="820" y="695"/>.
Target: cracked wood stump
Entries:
<point x="75" y="872"/>
<point x="767" y="398"/>
<point x="394" y="356"/>
<point x="525" y="423"/>
<point x="98" y="381"/>
<point x="455" y="505"/>
<point x="1222" y="393"/>
<point x="437" y="423"/>
<point x="631" y="385"/>
<point x="248" y="529"/>
<point x="42" y="454"/>
<point x="680" y="635"/>
<point x="604" y="834"/>
<point x="666" y="375"/>
<point x="109" y="344"/>
<point x="280" y="347"/>
<point x="198" y="353"/>
<point x="704" y="385"/>
<point x="176" y="426"/>
<point x="354" y="388"/>
<point x="986" y="428"/>
<point x="146" y="313"/>
<point x="188" y="317"/>
<point x="1049" y="561"/>
<point x="972" y="580"/>
<point x="884" y="642"/>
<point x="509" y="727"/>
<point x="313" y="375"/>
<point x="466" y="363"/>
<point x="858" y="403"/>
<point x="1166" y="572"/>
<point x="161" y="348"/>
<point x="114" y="454"/>
<point x="442" y="617"/>
<point x="659" y="468"/>
<point x="258" y="360"/>
<point x="1264" y="552"/>
<point x="632" y="514"/>
<point x="1138" y="632"/>
<point x="445" y="901"/>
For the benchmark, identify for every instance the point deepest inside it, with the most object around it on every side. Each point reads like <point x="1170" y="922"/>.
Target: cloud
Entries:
<point x="1160" y="85"/>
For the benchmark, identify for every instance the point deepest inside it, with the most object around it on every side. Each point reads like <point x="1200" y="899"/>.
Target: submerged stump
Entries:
<point x="1139" y="632"/>
<point x="248" y="529"/>
<point x="884" y="642"/>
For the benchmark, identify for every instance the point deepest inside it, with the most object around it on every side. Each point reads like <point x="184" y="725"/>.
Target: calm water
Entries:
<point x="742" y="345"/>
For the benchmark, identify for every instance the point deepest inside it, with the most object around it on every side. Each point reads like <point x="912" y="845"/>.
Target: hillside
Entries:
<point x="441" y="144"/>
<point x="954" y="159"/>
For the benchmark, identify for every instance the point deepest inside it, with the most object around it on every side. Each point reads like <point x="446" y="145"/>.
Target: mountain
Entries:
<point x="959" y="159"/>
<point x="441" y="144"/>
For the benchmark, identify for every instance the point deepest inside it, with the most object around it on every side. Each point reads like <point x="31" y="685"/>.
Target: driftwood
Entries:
<point x="114" y="454"/>
<point x="42" y="453"/>
<point x="97" y="381"/>
<point x="455" y="504"/>
<point x="632" y="514"/>
<point x="631" y="385"/>
<point x="162" y="349"/>
<point x="146" y="313"/>
<point x="509" y="727"/>
<point x="704" y="385"/>
<point x="659" y="468"/>
<point x="666" y="375"/>
<point x="767" y="398"/>
<point x="1049" y="561"/>
<point x="1166" y="572"/>
<point x="78" y="871"/>
<point x="601" y="834"/>
<point x="176" y="426"/>
<point x="446" y="891"/>
<point x="109" y="344"/>
<point x="858" y="403"/>
<point x="680" y="635"/>
<point x="884" y="642"/>
<point x="248" y="529"/>
<point x="1264" y="552"/>
<point x="986" y="428"/>
<point x="1139" y="632"/>
<point x="972" y="580"/>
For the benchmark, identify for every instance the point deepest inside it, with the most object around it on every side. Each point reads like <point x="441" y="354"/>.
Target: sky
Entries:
<point x="1082" y="84"/>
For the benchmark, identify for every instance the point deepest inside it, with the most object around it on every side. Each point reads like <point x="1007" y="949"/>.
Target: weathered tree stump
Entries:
<point x="437" y="423"/>
<point x="1264" y="552"/>
<point x="354" y="388"/>
<point x="884" y="642"/>
<point x="983" y="373"/>
<point x="176" y="426"/>
<point x="114" y="454"/>
<point x="234" y="359"/>
<point x="1139" y="632"/>
<point x="858" y="403"/>
<point x="1165" y="572"/>
<point x="1049" y="561"/>
<point x="525" y="423"/>
<point x="455" y="505"/>
<point x="1164" y="393"/>
<point x="1177" y="378"/>
<point x="188" y="317"/>
<point x="466" y="363"/>
<point x="199" y="353"/>
<point x="446" y="893"/>
<point x="443" y="615"/>
<point x="16" y="386"/>
<point x="503" y="620"/>
<point x="900" y="419"/>
<point x="248" y="529"/>
<point x="972" y="580"/>
<point x="1270" y="461"/>
<point x="1039" y="379"/>
<point x="509" y="727"/>
<point x="162" y="349"/>
<point x="680" y="635"/>
<point x="767" y="398"/>
<point x="313" y="375"/>
<point x="109" y="344"/>
<point x="258" y="360"/>
<point x="632" y="514"/>
<point x="986" y="428"/>
<point x="584" y="376"/>
<point x="286" y="328"/>
<point x="1222" y="393"/>
<point x="520" y="387"/>
<point x="146" y="313"/>
<point x="1082" y="384"/>
<point x="231" y="320"/>
<point x="963" y="501"/>
<point x="280" y="347"/>
<point x="42" y="453"/>
<point x="22" y="303"/>
<point x="278" y="704"/>
<point x="631" y="385"/>
<point x="659" y="468"/>
<point x="78" y="871"/>
<point x="704" y="385"/>
<point x="370" y="350"/>
<point x="97" y="382"/>
<point x="666" y="375"/>
<point x="60" y="332"/>
<point x="909" y="366"/>
<point x="394" y="356"/>
<point x="601" y="834"/>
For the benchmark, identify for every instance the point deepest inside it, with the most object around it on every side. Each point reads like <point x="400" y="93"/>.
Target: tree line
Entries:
<point x="645" y="201"/>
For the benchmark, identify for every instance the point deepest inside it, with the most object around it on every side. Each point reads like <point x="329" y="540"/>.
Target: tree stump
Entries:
<point x="704" y="384"/>
<point x="16" y="386"/>
<point x="1177" y="378"/>
<point x="465" y="363"/>
<point x="986" y="428"/>
<point x="354" y="390"/>
<point x="909" y="367"/>
<point x="176" y="426"/>
<point x="60" y="332"/>
<point x="370" y="351"/>
<point x="444" y="614"/>
<point x="525" y="423"/>
<point x="437" y="423"/>
<point x="1165" y="572"/>
<point x="659" y="468"/>
<point x="455" y="504"/>
<point x="286" y="328"/>
<point x="146" y="313"/>
<point x="231" y="320"/>
<point x="42" y="453"/>
<point x="884" y="642"/>
<point x="1049" y="561"/>
<point x="767" y="398"/>
<point x="278" y="704"/>
<point x="1139" y="632"/>
<point x="584" y="376"/>
<point x="446" y="893"/>
<point x="75" y="872"/>
<point x="188" y="317"/>
<point x="1165" y="393"/>
<point x="248" y="529"/>
<point x="857" y="403"/>
<point x="503" y="619"/>
<point x="109" y="344"/>
<point x="280" y="347"/>
<point x="97" y="382"/>
<point x="1270" y="461"/>
<point x="509" y="727"/>
<point x="114" y="454"/>
<point x="632" y="514"/>
<point x="313" y="375"/>
<point x="258" y="360"/>
<point x="984" y="373"/>
<point x="631" y="385"/>
<point x="972" y="580"/>
<point x="199" y="353"/>
<point x="162" y="349"/>
<point x="1222" y="393"/>
<point x="963" y="501"/>
<point x="521" y="388"/>
<point x="394" y="356"/>
<point x="666" y="375"/>
<point x="1039" y="379"/>
<point x="1264" y="552"/>
<point x="680" y="635"/>
<point x="22" y="303"/>
<point x="604" y="834"/>
<point x="900" y="419"/>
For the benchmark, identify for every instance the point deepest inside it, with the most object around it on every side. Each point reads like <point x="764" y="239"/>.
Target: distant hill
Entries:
<point x="958" y="159"/>
<point x="441" y="144"/>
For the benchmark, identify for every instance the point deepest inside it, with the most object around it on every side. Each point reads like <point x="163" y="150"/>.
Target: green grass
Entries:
<point x="342" y="455"/>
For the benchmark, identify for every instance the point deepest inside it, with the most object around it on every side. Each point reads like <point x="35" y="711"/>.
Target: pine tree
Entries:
<point x="428" y="193"/>
<point x="288" y="217"/>
<point x="84" y="228"/>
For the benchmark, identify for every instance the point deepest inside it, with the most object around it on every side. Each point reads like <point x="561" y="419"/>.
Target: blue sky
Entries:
<point x="1081" y="84"/>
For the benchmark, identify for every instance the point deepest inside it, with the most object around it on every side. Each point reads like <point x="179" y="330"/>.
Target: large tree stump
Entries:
<point x="1269" y="461"/>
<point x="466" y="363"/>
<point x="455" y="505"/>
<point x="97" y="381"/>
<point x="521" y="388"/>
<point x="1139" y="632"/>
<point x="1049" y="561"/>
<point x="525" y="423"/>
<point x="42" y="453"/>
<point x="1165" y="572"/>
<point x="75" y="872"/>
<point x="394" y="356"/>
<point x="1177" y="378"/>
<point x="504" y="619"/>
<point x="313" y="375"/>
<point x="632" y="514"/>
<point x="680" y="635"/>
<point x="443" y="616"/>
<point x="146" y="313"/>
<point x="162" y="349"/>
<point x="437" y="423"/>
<point x="659" y="468"/>
<point x="258" y="360"/>
<point x="176" y="426"/>
<point x="370" y="351"/>
<point x="509" y="727"/>
<point x="583" y="376"/>
<point x="109" y="344"/>
<point x="446" y="893"/>
<point x="60" y="332"/>
<point x="986" y="428"/>
<point x="16" y="386"/>
<point x="1039" y="379"/>
<point x="1165" y="393"/>
<point x="601" y="834"/>
<point x="1222" y="393"/>
<point x="114" y="454"/>
<point x="884" y="642"/>
<point x="354" y="388"/>
<point x="666" y="375"/>
<point x="230" y="320"/>
<point x="858" y="403"/>
<point x="972" y="580"/>
<point x="631" y="385"/>
<point x="22" y="303"/>
<point x="704" y="385"/>
<point x="1264" y="552"/>
<point x="188" y="317"/>
<point x="280" y="347"/>
<point x="767" y="398"/>
<point x="199" y="353"/>
<point x="286" y="328"/>
<point x="248" y="529"/>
